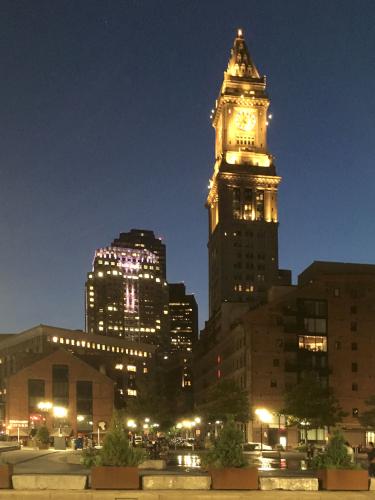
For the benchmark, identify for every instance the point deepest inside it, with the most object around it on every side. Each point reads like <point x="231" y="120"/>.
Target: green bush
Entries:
<point x="42" y="435"/>
<point x="227" y="449"/>
<point x="335" y="456"/>
<point x="116" y="450"/>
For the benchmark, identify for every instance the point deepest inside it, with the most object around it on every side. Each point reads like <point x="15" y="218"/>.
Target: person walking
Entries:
<point x="371" y="459"/>
<point x="349" y="451"/>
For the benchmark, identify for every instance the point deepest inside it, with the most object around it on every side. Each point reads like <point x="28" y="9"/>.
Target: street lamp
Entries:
<point x="265" y="417"/>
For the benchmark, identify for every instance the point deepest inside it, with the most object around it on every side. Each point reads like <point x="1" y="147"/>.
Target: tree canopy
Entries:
<point x="226" y="401"/>
<point x="155" y="399"/>
<point x="310" y="404"/>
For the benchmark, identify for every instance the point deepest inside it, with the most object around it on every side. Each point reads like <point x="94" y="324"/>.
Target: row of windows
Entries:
<point x="94" y="345"/>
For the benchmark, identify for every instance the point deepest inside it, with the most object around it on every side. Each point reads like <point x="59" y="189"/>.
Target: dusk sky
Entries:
<point x="104" y="127"/>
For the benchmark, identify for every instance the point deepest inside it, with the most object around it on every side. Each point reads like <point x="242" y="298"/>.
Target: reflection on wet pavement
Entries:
<point x="190" y="461"/>
<point x="263" y="463"/>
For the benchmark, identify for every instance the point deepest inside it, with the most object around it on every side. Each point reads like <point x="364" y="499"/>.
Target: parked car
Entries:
<point x="256" y="447"/>
<point x="188" y="443"/>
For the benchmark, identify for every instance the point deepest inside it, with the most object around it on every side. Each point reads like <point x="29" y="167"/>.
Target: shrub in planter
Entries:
<point x="227" y="464"/>
<point x="336" y="470"/>
<point x="114" y="466"/>
<point x="42" y="438"/>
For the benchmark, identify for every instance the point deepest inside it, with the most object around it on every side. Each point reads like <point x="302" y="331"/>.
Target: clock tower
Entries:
<point x="242" y="198"/>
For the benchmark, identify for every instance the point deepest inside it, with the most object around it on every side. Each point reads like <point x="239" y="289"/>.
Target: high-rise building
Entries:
<point x="126" y="291"/>
<point x="183" y="318"/>
<point x="243" y="215"/>
<point x="242" y="198"/>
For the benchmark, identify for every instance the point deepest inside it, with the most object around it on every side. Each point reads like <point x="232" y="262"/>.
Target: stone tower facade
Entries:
<point x="242" y="198"/>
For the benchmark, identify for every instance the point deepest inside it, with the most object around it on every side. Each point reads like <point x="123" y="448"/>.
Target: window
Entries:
<point x="36" y="389"/>
<point x="355" y="412"/>
<point x="312" y="343"/>
<point x="273" y="383"/>
<point x="315" y="325"/>
<point x="315" y="308"/>
<point x="354" y="346"/>
<point x="259" y="205"/>
<point x="84" y="405"/>
<point x="353" y="310"/>
<point x="338" y="345"/>
<point x="276" y="362"/>
<point x="354" y="367"/>
<point x="353" y="326"/>
<point x="336" y="292"/>
<point x="354" y="386"/>
<point x="60" y="385"/>
<point x="236" y="203"/>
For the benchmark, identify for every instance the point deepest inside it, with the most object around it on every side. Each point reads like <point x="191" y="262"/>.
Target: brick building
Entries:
<point x="112" y="362"/>
<point x="59" y="380"/>
<point x="324" y="324"/>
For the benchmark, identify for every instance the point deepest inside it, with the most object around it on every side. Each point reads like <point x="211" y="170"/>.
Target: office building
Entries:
<point x="126" y="291"/>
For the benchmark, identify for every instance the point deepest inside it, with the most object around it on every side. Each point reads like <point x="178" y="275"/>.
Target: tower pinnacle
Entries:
<point x="240" y="63"/>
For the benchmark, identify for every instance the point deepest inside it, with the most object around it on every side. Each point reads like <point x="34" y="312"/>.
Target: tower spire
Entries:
<point x="240" y="63"/>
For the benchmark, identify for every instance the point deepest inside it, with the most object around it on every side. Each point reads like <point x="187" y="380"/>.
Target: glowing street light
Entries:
<point x="131" y="424"/>
<point x="59" y="412"/>
<point x="265" y="417"/>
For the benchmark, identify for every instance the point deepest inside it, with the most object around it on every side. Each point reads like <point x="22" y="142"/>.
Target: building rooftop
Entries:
<point x="318" y="268"/>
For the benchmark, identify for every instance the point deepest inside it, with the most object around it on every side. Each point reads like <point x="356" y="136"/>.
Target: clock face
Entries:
<point x="245" y="120"/>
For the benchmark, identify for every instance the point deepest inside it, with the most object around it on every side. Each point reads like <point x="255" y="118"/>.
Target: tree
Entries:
<point x="155" y="399"/>
<point x="367" y="418"/>
<point x="311" y="405"/>
<point x="116" y="450"/>
<point x="226" y="401"/>
<point x="227" y="450"/>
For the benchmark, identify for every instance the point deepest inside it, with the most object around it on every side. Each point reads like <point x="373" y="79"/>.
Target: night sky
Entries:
<point x="104" y="127"/>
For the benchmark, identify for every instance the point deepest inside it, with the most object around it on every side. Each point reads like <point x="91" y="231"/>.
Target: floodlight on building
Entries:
<point x="59" y="412"/>
<point x="44" y="405"/>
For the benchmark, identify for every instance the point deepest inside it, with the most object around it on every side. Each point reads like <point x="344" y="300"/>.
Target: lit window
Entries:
<point x="119" y="366"/>
<point x="132" y="392"/>
<point x="100" y="274"/>
<point x="131" y="368"/>
<point x="54" y="339"/>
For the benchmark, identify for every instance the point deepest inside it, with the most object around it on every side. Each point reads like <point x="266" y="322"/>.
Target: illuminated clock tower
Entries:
<point x="242" y="198"/>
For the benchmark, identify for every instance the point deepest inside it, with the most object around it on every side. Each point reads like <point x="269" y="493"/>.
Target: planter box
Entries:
<point x="234" y="478"/>
<point x="343" y="479"/>
<point x="6" y="472"/>
<point x="115" y="478"/>
<point x="43" y="446"/>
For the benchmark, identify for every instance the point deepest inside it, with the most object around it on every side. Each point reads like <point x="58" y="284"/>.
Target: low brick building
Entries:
<point x="94" y="375"/>
<point x="59" y="380"/>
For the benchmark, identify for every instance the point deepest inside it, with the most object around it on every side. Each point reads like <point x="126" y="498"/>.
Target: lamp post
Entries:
<point x="265" y="417"/>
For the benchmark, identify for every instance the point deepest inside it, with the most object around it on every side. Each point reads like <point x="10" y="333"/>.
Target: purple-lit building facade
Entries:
<point x="126" y="291"/>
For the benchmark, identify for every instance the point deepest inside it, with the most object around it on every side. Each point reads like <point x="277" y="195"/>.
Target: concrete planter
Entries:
<point x="234" y="478"/>
<point x="43" y="446"/>
<point x="6" y="472"/>
<point x="114" y="478"/>
<point x="343" y="479"/>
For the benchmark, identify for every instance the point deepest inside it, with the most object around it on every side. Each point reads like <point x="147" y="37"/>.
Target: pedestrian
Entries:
<point x="371" y="459"/>
<point x="349" y="451"/>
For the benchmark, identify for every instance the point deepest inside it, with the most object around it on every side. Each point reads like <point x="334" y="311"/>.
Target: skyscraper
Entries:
<point x="242" y="198"/>
<point x="183" y="318"/>
<point x="126" y="291"/>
